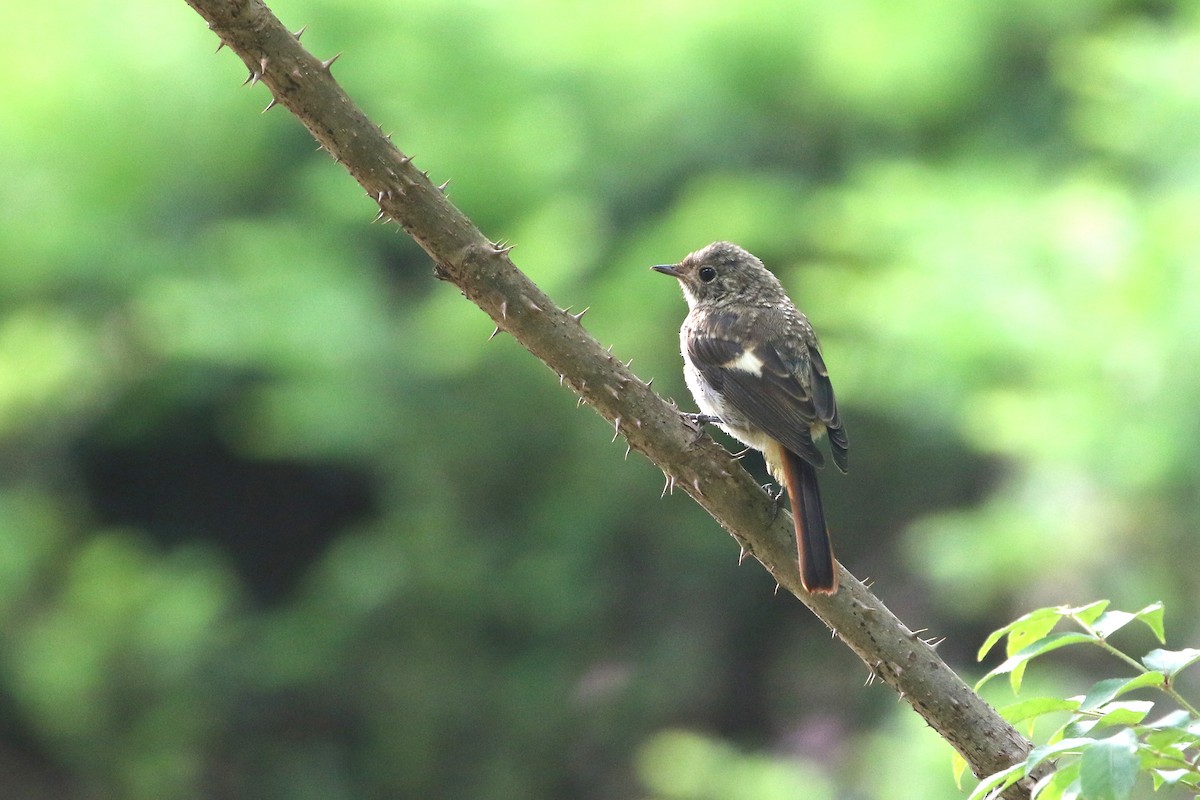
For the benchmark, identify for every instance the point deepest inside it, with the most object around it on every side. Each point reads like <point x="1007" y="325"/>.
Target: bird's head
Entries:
<point x="723" y="272"/>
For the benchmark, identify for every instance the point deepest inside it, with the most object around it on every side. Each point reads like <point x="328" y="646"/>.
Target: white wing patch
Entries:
<point x="747" y="362"/>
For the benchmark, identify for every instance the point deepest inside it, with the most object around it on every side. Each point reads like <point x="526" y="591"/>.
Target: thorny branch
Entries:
<point x="484" y="272"/>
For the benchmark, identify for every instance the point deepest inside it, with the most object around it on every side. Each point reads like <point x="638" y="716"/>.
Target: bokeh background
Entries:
<point x="278" y="521"/>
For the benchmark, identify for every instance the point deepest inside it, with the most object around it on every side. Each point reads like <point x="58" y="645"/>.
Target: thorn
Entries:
<point x="327" y="63"/>
<point x="647" y="383"/>
<point x="610" y="347"/>
<point x="627" y="363"/>
<point x="742" y="556"/>
<point x="251" y="79"/>
<point x="637" y="423"/>
<point x="502" y="249"/>
<point x="776" y="589"/>
<point x="561" y="377"/>
<point x="405" y="160"/>
<point x="300" y="32"/>
<point x="504" y="308"/>
<point x="270" y="105"/>
<point x="532" y="305"/>
<point x="442" y="188"/>
<point x="900" y="697"/>
<point x="579" y="402"/>
<point x="262" y="63"/>
<point x="613" y="391"/>
<point x="220" y="45"/>
<point x="494" y="332"/>
<point x="696" y="485"/>
<point x="379" y="216"/>
<point x="616" y="429"/>
<point x="628" y="447"/>
<point x="916" y="633"/>
<point x="382" y="195"/>
<point x="579" y="316"/>
<point x="669" y="486"/>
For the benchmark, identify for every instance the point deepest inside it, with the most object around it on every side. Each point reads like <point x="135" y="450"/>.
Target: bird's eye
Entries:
<point x="707" y="274"/>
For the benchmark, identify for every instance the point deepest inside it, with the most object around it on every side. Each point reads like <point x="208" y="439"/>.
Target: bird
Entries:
<point x="754" y="366"/>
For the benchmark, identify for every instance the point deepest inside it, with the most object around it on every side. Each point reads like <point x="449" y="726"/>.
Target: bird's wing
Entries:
<point x="780" y="385"/>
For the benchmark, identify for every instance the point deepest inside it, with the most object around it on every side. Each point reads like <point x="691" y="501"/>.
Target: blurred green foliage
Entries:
<point x="277" y="520"/>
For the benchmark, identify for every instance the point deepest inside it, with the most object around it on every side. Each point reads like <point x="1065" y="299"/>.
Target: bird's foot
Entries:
<point x="697" y="422"/>
<point x="776" y="494"/>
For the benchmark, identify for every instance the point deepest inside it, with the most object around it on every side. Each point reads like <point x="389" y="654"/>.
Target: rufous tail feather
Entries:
<point x="818" y="572"/>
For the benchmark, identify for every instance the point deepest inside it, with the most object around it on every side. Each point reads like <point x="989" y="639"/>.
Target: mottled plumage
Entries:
<point x="752" y="359"/>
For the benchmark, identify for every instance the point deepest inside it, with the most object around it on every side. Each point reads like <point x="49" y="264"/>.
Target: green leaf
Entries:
<point x="998" y="781"/>
<point x="1109" y="768"/>
<point x="1176" y="719"/>
<point x="1174" y="777"/>
<point x="1086" y="614"/>
<point x="1016" y="662"/>
<point x="1103" y="691"/>
<point x="1152" y="615"/>
<point x="958" y="765"/>
<point x="1039" y="754"/>
<point x="1123" y="713"/>
<point x="1036" y="707"/>
<point x="1079" y="727"/>
<point x="1170" y="662"/>
<point x="1060" y="784"/>
<point x="1173" y="727"/>
<point x="1112" y="621"/>
<point x="1033" y="625"/>
<point x="1162" y="738"/>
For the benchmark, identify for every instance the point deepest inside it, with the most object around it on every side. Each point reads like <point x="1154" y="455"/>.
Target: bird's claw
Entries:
<point x="776" y="498"/>
<point x="697" y="422"/>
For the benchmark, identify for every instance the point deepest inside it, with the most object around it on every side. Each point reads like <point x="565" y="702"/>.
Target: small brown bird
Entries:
<point x="752" y="362"/>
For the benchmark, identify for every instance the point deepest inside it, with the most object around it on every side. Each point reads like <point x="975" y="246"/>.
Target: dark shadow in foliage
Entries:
<point x="184" y="483"/>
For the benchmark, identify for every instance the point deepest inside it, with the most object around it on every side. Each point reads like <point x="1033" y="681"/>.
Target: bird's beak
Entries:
<point x="666" y="269"/>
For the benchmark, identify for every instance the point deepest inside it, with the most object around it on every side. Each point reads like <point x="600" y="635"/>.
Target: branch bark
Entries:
<point x="484" y="272"/>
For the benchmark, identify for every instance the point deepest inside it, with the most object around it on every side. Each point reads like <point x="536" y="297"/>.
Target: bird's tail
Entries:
<point x="818" y="572"/>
